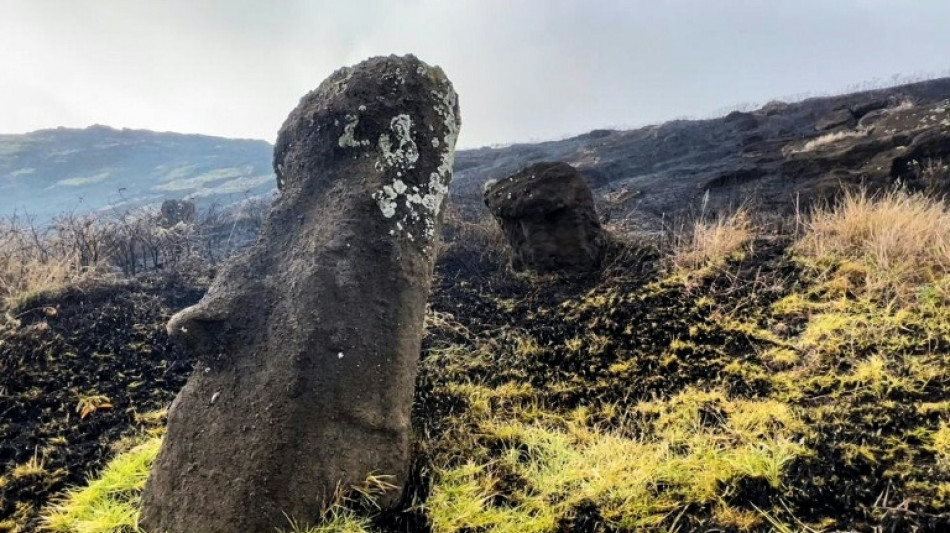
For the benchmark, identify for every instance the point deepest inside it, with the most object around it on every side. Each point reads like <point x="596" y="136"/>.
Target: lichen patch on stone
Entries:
<point x="420" y="204"/>
<point x="348" y="139"/>
<point x="406" y="153"/>
<point x="386" y="200"/>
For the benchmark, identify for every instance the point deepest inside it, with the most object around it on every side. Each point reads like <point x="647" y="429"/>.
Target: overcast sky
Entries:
<point x="524" y="69"/>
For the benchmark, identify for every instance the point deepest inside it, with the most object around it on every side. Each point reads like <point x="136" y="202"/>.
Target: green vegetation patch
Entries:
<point x="536" y="475"/>
<point x="110" y="502"/>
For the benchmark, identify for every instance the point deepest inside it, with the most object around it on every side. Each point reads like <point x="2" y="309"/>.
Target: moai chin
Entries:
<point x="309" y="342"/>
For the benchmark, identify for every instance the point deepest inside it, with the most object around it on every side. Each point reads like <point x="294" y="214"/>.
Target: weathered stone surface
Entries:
<point x="858" y="110"/>
<point x="175" y="211"/>
<point x="309" y="342"/>
<point x="892" y="147"/>
<point x="836" y="119"/>
<point x="548" y="216"/>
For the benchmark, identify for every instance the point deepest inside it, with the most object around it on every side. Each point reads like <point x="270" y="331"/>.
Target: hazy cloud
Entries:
<point x="524" y="69"/>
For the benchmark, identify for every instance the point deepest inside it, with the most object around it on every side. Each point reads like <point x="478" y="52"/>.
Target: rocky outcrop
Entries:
<point x="548" y="216"/>
<point x="904" y="144"/>
<point x="309" y="342"/>
<point x="835" y="119"/>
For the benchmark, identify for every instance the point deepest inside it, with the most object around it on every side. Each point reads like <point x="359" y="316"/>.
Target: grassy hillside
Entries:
<point x="733" y="376"/>
<point x="49" y="172"/>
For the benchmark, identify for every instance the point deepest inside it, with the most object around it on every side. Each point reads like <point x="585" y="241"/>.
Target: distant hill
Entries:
<point x="769" y="157"/>
<point x="48" y="172"/>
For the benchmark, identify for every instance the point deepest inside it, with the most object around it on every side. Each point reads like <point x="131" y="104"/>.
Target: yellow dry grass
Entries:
<point x="563" y="461"/>
<point x="889" y="245"/>
<point x="110" y="502"/>
<point x="830" y="138"/>
<point x="22" y="276"/>
<point x="710" y="244"/>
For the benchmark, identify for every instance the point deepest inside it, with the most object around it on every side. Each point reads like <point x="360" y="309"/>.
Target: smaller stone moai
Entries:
<point x="175" y="211"/>
<point x="548" y="216"/>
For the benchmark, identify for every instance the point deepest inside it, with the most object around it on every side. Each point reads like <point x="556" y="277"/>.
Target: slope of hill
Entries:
<point x="770" y="156"/>
<point x="48" y="172"/>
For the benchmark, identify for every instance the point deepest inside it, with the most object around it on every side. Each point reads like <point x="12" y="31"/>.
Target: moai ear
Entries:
<point x="199" y="328"/>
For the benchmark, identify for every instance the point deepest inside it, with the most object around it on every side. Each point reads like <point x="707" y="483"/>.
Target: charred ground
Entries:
<point x="81" y="369"/>
<point x="761" y="385"/>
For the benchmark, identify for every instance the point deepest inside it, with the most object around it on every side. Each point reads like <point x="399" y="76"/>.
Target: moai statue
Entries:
<point x="547" y="214"/>
<point x="309" y="342"/>
<point x="176" y="211"/>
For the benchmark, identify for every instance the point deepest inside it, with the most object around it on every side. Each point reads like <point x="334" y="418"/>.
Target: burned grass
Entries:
<point x="797" y="385"/>
<point x="619" y="403"/>
<point x="805" y="378"/>
<point x="81" y="368"/>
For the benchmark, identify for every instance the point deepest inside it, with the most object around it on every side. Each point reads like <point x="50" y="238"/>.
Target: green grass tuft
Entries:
<point x="110" y="502"/>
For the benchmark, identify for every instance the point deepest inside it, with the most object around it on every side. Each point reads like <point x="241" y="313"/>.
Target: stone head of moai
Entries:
<point x="177" y="211"/>
<point x="547" y="214"/>
<point x="309" y="341"/>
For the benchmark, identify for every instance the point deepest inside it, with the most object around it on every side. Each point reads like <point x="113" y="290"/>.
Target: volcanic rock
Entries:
<point x="895" y="148"/>
<point x="837" y="118"/>
<point x="548" y="216"/>
<point x="309" y="342"/>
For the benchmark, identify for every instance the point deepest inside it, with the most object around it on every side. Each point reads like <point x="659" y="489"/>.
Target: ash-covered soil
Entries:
<point x="79" y="370"/>
<point x="608" y="355"/>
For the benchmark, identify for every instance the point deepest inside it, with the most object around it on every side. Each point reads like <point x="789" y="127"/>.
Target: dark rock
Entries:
<point x="175" y="211"/>
<point x="309" y="342"/>
<point x="548" y="216"/>
<point x="868" y="120"/>
<point x="836" y="119"/>
<point x="774" y="107"/>
<point x="863" y="108"/>
<point x="903" y="140"/>
<point x="869" y="112"/>
<point x="923" y="164"/>
<point x="742" y="121"/>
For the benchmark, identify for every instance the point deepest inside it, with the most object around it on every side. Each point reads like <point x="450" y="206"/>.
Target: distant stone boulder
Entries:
<point x="177" y="211"/>
<point x="547" y="214"/>
<point x="309" y="342"/>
